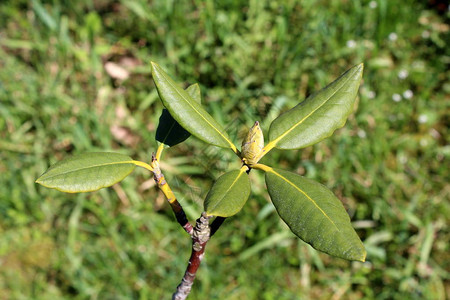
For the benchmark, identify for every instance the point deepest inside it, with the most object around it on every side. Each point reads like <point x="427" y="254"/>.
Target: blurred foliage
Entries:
<point x="75" y="77"/>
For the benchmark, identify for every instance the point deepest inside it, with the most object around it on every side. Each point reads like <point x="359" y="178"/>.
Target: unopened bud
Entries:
<point x="252" y="145"/>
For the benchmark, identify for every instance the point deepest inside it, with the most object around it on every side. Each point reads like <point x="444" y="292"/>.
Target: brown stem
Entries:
<point x="167" y="191"/>
<point x="200" y="237"/>
<point x="200" y="234"/>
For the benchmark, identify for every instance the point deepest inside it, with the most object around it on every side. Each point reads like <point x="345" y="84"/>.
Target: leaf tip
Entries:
<point x="40" y="180"/>
<point x="154" y="66"/>
<point x="363" y="259"/>
<point x="361" y="255"/>
<point x="360" y="68"/>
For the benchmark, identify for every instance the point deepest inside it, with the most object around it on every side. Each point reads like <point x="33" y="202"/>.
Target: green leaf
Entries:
<point x="318" y="116"/>
<point x="228" y="194"/>
<point x="189" y="113"/>
<point x="194" y="91"/>
<point x="314" y="214"/>
<point x="169" y="132"/>
<point x="87" y="172"/>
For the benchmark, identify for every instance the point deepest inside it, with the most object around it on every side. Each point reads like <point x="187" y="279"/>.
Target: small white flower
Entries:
<point x="408" y="94"/>
<point x="423" y="142"/>
<point x="403" y="74"/>
<point x="351" y="44"/>
<point x="403" y="159"/>
<point x="371" y="94"/>
<point x="361" y="133"/>
<point x="373" y="4"/>
<point x="423" y="119"/>
<point x="396" y="97"/>
<point x="426" y="34"/>
<point x="392" y="36"/>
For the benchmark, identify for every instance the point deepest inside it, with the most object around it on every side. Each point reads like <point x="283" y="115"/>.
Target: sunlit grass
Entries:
<point x="252" y="61"/>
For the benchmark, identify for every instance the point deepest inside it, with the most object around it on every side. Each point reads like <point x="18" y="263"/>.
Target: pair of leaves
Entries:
<point x="89" y="172"/>
<point x="188" y="112"/>
<point x="169" y="132"/>
<point x="92" y="171"/>
<point x="307" y="123"/>
<point x="311" y="211"/>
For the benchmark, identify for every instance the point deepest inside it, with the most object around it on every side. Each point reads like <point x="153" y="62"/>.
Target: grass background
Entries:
<point x="75" y="77"/>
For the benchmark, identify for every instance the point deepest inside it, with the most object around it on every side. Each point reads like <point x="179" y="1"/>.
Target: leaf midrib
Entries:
<point x="226" y="192"/>
<point x="306" y="195"/>
<point x="85" y="168"/>
<point x="190" y="104"/>
<point x="275" y="141"/>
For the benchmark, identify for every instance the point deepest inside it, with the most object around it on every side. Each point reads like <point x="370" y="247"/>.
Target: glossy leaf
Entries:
<point x="189" y="113"/>
<point x="194" y="91"/>
<point x="228" y="194"/>
<point x="169" y="132"/>
<point x="314" y="214"/>
<point x="319" y="115"/>
<point x="87" y="172"/>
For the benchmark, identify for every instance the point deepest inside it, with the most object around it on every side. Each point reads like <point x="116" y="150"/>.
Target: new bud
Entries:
<point x="252" y="145"/>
